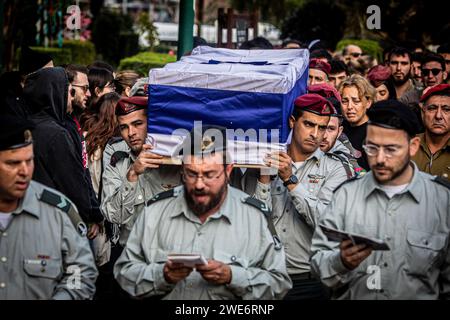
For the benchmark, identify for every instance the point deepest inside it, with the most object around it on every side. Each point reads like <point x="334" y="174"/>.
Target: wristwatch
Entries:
<point x="292" y="180"/>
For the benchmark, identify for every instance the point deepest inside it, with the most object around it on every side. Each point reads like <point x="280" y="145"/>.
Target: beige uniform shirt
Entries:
<point x="237" y="235"/>
<point x="41" y="254"/>
<point x="416" y="226"/>
<point x="295" y="213"/>
<point x="123" y="201"/>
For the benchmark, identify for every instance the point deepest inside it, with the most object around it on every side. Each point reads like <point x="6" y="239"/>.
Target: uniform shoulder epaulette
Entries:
<point x="117" y="156"/>
<point x="344" y="161"/>
<point x="65" y="205"/>
<point x="346" y="181"/>
<point x="268" y="215"/>
<point x="114" y="140"/>
<point x="442" y="181"/>
<point x="257" y="204"/>
<point x="161" y="196"/>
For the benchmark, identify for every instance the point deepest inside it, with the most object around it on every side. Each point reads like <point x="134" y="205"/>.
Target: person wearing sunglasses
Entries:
<point x="80" y="94"/>
<point x="433" y="156"/>
<point x="433" y="70"/>
<point x="208" y="217"/>
<point x="397" y="203"/>
<point x="351" y="53"/>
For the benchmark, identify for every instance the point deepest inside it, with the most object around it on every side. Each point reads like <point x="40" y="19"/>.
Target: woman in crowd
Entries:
<point x="124" y="81"/>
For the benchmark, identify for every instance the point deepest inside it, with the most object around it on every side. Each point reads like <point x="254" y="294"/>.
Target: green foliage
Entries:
<point x="73" y="51"/>
<point x="60" y="55"/>
<point x="370" y="47"/>
<point x="113" y="36"/>
<point x="83" y="52"/>
<point x="145" y="25"/>
<point x="144" y="61"/>
<point x="162" y="48"/>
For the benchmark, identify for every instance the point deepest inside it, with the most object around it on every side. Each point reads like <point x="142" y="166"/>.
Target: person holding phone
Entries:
<point x="397" y="203"/>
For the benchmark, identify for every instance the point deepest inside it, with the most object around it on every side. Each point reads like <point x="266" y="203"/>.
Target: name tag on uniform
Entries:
<point x="315" y="178"/>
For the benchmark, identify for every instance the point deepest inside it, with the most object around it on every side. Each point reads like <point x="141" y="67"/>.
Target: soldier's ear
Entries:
<point x="414" y="145"/>
<point x="228" y="169"/>
<point x="291" y="122"/>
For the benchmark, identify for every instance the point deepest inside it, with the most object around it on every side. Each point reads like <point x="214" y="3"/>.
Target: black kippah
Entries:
<point x="15" y="132"/>
<point x="393" y="114"/>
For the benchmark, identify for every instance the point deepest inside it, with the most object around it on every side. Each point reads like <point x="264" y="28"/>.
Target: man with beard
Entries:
<point x="397" y="203"/>
<point x="433" y="155"/>
<point x="400" y="61"/>
<point x="203" y="216"/>
<point x="301" y="190"/>
<point x="80" y="94"/>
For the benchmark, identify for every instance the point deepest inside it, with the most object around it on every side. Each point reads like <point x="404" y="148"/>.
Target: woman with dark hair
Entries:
<point x="101" y="81"/>
<point x="379" y="77"/>
<point x="124" y="81"/>
<point x="99" y="125"/>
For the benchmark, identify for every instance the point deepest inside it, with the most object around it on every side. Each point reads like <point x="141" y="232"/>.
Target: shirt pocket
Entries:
<point x="45" y="268"/>
<point x="231" y="259"/>
<point x="423" y="250"/>
<point x="222" y="292"/>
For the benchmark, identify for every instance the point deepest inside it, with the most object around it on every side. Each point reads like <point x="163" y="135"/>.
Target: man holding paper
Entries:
<point x="204" y="218"/>
<point x="301" y="190"/>
<point x="396" y="203"/>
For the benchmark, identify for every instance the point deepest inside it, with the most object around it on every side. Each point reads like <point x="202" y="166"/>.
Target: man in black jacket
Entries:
<point x="57" y="145"/>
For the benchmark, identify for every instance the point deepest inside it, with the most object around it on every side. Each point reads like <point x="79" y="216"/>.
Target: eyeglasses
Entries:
<point x="434" y="71"/>
<point x="373" y="150"/>
<point x="355" y="54"/>
<point x="432" y="108"/>
<point x="207" y="178"/>
<point x="84" y="87"/>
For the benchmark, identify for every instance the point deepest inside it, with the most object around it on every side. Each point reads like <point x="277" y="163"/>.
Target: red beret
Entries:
<point x="314" y="103"/>
<point x="325" y="90"/>
<point x="131" y="104"/>
<point x="440" y="89"/>
<point x="378" y="74"/>
<point x="320" y="65"/>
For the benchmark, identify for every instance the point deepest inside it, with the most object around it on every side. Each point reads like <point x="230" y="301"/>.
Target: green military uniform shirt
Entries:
<point x="414" y="223"/>
<point x="237" y="235"/>
<point x="296" y="212"/>
<point x="436" y="164"/>
<point x="122" y="201"/>
<point x="42" y="256"/>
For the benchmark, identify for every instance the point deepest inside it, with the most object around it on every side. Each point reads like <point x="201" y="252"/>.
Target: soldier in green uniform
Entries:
<point x="396" y="203"/>
<point x="132" y="173"/>
<point x="204" y="216"/>
<point x="44" y="252"/>
<point x="433" y="155"/>
<point x="301" y="190"/>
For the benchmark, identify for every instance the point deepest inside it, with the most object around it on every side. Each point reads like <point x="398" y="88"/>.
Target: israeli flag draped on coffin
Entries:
<point x="250" y="91"/>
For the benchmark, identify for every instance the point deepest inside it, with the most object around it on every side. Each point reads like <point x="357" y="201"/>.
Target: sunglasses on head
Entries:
<point x="434" y="71"/>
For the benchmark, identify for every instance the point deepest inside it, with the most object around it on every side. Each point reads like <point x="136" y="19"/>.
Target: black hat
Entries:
<point x="205" y="139"/>
<point x="393" y="114"/>
<point x="32" y="60"/>
<point x="15" y="132"/>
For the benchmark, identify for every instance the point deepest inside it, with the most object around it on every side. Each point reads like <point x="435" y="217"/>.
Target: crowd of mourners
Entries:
<point x="88" y="211"/>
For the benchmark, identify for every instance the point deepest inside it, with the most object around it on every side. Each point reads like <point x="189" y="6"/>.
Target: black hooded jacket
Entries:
<point x="57" y="146"/>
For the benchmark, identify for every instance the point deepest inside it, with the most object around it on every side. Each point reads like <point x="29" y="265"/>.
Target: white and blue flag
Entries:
<point x="250" y="91"/>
